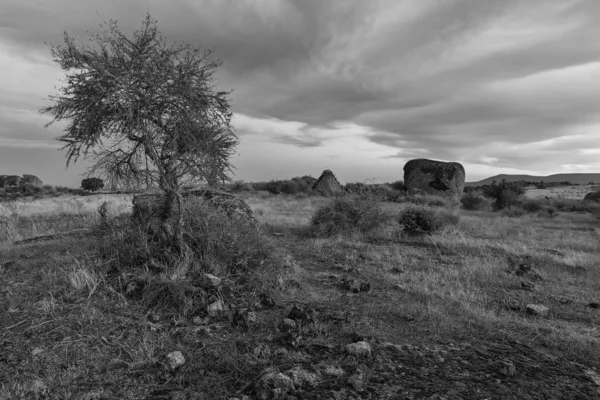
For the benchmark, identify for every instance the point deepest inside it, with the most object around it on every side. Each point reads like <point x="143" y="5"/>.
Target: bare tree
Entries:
<point x="146" y="112"/>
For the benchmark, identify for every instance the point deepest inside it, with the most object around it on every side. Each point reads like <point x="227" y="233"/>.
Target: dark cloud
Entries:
<point x="445" y="79"/>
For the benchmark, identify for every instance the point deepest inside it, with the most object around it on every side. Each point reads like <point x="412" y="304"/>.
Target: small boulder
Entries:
<point x="174" y="360"/>
<point x="273" y="385"/>
<point x="537" y="309"/>
<point x="362" y="348"/>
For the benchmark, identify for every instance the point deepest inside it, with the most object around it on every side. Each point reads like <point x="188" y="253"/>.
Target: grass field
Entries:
<point x="444" y="316"/>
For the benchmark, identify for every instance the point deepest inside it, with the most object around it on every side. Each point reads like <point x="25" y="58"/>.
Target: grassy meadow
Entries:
<point x="451" y="304"/>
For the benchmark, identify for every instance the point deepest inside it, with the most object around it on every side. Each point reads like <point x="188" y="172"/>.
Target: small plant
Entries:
<point x="419" y="220"/>
<point x="92" y="184"/>
<point x="505" y="194"/>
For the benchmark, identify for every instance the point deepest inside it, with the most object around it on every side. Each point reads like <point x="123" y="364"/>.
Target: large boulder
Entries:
<point x="592" y="196"/>
<point x="327" y="184"/>
<point x="32" y="180"/>
<point x="2" y="177"/>
<point x="12" y="180"/>
<point x="446" y="179"/>
<point x="150" y="204"/>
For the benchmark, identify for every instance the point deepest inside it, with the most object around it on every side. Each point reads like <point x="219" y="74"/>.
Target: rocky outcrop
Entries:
<point x="422" y="176"/>
<point x="592" y="196"/>
<point x="2" y="177"/>
<point x="327" y="184"/>
<point x="32" y="180"/>
<point x="150" y="204"/>
<point x="12" y="180"/>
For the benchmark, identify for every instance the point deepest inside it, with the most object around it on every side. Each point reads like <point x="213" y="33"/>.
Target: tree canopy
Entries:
<point x="143" y="110"/>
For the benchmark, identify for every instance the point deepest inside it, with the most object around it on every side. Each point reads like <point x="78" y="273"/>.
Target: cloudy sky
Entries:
<point x="355" y="86"/>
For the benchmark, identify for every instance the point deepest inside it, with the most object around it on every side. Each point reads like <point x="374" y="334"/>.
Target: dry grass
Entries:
<point x="453" y="285"/>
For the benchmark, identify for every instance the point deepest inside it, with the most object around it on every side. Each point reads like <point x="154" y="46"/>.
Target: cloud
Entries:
<point x="506" y="84"/>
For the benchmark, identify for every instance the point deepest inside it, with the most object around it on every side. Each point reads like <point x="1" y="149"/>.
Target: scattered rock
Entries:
<point x="537" y="309"/>
<point x="525" y="285"/>
<point x="36" y="351"/>
<point x="273" y="385"/>
<point x="207" y="281"/>
<point x="355" y="285"/>
<point x="301" y="377"/>
<point x="359" y="349"/>
<point x="360" y="379"/>
<point x="594" y="304"/>
<point x="333" y="370"/>
<point x="300" y="314"/>
<point x="153" y="317"/>
<point x="174" y="360"/>
<point x="266" y="301"/>
<point x="287" y="325"/>
<point x="215" y="308"/>
<point x="396" y="270"/>
<point x="508" y="368"/>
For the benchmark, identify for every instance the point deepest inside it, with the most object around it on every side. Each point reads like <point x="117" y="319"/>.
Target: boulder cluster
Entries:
<point x="17" y="180"/>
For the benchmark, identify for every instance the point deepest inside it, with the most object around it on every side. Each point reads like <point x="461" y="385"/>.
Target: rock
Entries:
<point x="2" y="178"/>
<point x="300" y="314"/>
<point x="208" y="281"/>
<point x="439" y="178"/>
<point x="333" y="370"/>
<point x="273" y="385"/>
<point x="360" y="379"/>
<point x="174" y="360"/>
<point x="355" y="286"/>
<point x="359" y="349"/>
<point x="149" y="204"/>
<point x="327" y="184"/>
<point x="592" y="196"/>
<point x="266" y="301"/>
<point x="300" y="377"/>
<point x="287" y="325"/>
<point x="12" y="180"/>
<point x="508" y="368"/>
<point x="215" y="308"/>
<point x="537" y="309"/>
<point x="32" y="180"/>
<point x="594" y="304"/>
<point x="36" y="351"/>
<point x="527" y="285"/>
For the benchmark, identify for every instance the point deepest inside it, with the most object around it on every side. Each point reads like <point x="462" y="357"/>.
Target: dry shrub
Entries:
<point x="421" y="220"/>
<point x="348" y="214"/>
<point x="430" y="200"/>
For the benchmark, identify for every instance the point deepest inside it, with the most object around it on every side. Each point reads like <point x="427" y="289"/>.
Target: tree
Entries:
<point x="144" y="111"/>
<point x="92" y="184"/>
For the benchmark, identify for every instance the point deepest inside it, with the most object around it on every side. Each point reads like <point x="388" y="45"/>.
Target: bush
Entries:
<point x="348" y="214"/>
<point x="92" y="184"/>
<point x="419" y="220"/>
<point x="474" y="201"/>
<point x="505" y="194"/>
<point x="430" y="200"/>
<point x="534" y="205"/>
<point x="398" y="185"/>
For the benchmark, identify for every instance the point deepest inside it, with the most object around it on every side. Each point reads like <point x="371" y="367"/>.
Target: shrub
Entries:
<point x="92" y="184"/>
<point x="430" y="200"/>
<point x="474" y="201"/>
<point x="514" y="212"/>
<point x="534" y="205"/>
<point x="398" y="185"/>
<point x="348" y="214"/>
<point x="505" y="194"/>
<point x="420" y="220"/>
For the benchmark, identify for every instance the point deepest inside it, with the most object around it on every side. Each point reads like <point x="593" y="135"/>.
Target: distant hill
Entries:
<point x="573" y="178"/>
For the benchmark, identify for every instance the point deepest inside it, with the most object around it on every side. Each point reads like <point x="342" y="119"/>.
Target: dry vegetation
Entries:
<point x="439" y="295"/>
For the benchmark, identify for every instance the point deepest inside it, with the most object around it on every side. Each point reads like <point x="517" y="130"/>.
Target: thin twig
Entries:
<point x="15" y="325"/>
